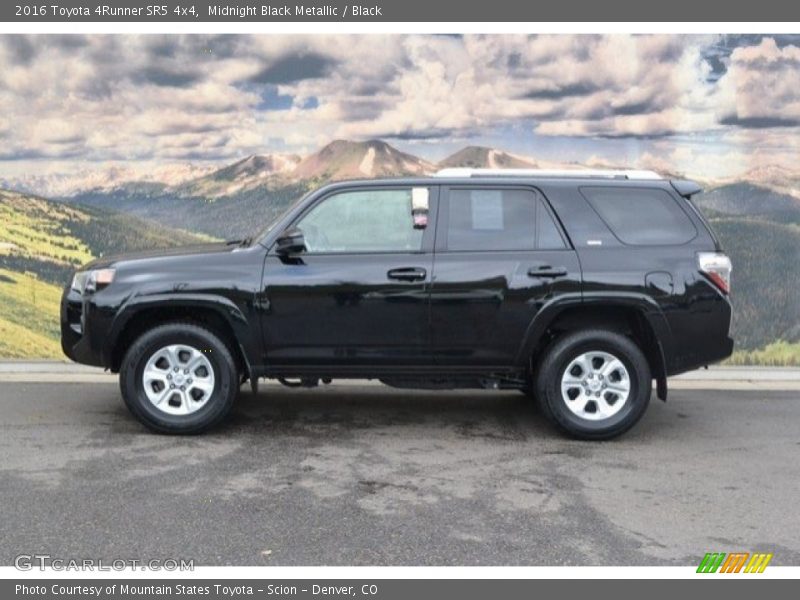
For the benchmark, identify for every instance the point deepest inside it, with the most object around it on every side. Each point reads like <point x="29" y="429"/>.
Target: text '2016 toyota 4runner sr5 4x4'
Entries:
<point x="577" y="288"/>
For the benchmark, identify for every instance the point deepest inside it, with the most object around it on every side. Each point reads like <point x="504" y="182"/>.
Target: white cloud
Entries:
<point x="761" y="88"/>
<point x="217" y="97"/>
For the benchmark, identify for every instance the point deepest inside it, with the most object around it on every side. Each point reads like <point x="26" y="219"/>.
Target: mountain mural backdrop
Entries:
<point x="48" y="227"/>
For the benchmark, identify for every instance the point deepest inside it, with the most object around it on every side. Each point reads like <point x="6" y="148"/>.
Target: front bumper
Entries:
<point x="81" y="339"/>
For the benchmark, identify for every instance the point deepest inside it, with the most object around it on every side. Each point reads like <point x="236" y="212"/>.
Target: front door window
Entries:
<point x="366" y="221"/>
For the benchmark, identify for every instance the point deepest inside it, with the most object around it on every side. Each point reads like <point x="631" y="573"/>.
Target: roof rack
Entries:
<point x="549" y="173"/>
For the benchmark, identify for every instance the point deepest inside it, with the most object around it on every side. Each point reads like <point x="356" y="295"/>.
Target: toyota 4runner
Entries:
<point x="578" y="288"/>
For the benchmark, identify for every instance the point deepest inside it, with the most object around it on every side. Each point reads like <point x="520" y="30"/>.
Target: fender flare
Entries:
<point x="643" y="304"/>
<point x="249" y="346"/>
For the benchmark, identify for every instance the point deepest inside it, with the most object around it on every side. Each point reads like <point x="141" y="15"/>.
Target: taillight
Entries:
<point x="717" y="267"/>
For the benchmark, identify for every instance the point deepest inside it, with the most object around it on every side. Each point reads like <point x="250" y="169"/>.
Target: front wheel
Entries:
<point x="594" y="384"/>
<point x="179" y="378"/>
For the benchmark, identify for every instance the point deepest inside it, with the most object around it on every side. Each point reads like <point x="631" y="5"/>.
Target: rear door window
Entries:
<point x="641" y="216"/>
<point x="486" y="219"/>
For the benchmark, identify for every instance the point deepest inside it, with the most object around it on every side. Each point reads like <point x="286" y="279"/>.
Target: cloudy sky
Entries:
<point x="717" y="105"/>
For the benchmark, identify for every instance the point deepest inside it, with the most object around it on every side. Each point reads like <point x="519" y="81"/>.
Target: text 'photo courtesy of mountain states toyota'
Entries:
<point x="579" y="288"/>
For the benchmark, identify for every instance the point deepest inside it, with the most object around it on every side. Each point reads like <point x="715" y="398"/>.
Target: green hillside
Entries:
<point x="51" y="239"/>
<point x="777" y="354"/>
<point x="28" y="316"/>
<point x="745" y="199"/>
<point x="228" y="217"/>
<point x="766" y="271"/>
<point x="41" y="244"/>
<point x="42" y="230"/>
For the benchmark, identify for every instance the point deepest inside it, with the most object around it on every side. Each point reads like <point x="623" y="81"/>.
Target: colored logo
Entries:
<point x="734" y="562"/>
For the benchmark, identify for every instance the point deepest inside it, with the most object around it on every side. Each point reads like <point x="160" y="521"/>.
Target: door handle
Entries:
<point x="407" y="274"/>
<point x="547" y="272"/>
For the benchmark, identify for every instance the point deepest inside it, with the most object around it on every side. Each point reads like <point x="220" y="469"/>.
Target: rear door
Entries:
<point x="500" y="256"/>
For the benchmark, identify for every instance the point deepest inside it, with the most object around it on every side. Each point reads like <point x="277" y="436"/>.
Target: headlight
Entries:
<point x="91" y="281"/>
<point x="79" y="281"/>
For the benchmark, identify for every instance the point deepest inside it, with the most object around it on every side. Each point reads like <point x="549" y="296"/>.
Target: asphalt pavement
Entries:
<point x="368" y="475"/>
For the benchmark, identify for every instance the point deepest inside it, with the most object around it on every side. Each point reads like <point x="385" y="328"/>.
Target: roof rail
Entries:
<point x="549" y="173"/>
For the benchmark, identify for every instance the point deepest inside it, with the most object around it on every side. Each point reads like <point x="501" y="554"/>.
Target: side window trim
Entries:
<point x="428" y="235"/>
<point x="443" y="217"/>
<point x="544" y="205"/>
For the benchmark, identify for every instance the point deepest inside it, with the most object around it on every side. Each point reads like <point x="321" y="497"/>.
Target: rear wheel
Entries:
<point x="594" y="384"/>
<point x="179" y="378"/>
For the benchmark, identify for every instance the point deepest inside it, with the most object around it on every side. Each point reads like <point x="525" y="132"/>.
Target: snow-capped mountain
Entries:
<point x="481" y="157"/>
<point x="246" y="174"/>
<point x="343" y="159"/>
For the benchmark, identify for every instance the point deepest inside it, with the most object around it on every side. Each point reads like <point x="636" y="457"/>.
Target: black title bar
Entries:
<point x="195" y="11"/>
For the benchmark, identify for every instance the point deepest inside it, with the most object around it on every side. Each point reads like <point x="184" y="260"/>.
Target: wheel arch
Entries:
<point x="217" y="314"/>
<point x="638" y="317"/>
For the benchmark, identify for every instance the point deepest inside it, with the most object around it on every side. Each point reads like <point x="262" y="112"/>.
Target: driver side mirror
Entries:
<point x="291" y="242"/>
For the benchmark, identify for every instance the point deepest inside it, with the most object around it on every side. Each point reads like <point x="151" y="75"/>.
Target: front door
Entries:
<point x="359" y="293"/>
<point x="500" y="257"/>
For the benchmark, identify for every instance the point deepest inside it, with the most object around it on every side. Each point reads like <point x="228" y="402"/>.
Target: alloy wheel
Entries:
<point x="595" y="385"/>
<point x="178" y="379"/>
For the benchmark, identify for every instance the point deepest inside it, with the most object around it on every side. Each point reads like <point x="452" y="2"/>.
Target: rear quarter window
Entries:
<point x="641" y="216"/>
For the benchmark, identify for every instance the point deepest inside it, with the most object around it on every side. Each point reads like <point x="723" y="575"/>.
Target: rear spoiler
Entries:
<point x="686" y="188"/>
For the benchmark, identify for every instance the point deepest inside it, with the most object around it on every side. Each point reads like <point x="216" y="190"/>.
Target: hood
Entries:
<point x="175" y="251"/>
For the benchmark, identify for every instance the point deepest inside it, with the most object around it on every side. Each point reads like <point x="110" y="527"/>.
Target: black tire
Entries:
<point x="554" y="364"/>
<point x="218" y="404"/>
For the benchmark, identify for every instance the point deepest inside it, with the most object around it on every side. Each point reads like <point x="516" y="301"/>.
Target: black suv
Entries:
<point x="577" y="288"/>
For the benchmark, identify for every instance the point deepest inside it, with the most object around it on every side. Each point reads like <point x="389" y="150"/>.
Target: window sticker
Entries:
<point x="419" y="199"/>
<point x="487" y="209"/>
<point x="419" y="207"/>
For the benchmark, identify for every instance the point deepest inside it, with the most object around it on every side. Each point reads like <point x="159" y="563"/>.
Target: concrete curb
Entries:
<point x="724" y="373"/>
<point x="713" y="378"/>
<point x="45" y="366"/>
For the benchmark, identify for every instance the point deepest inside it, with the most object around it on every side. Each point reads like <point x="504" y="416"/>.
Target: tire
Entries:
<point x="581" y="388"/>
<point x="205" y="368"/>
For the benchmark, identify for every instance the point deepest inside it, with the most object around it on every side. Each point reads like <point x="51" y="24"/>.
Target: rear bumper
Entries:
<point x="713" y="352"/>
<point x="701" y="336"/>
